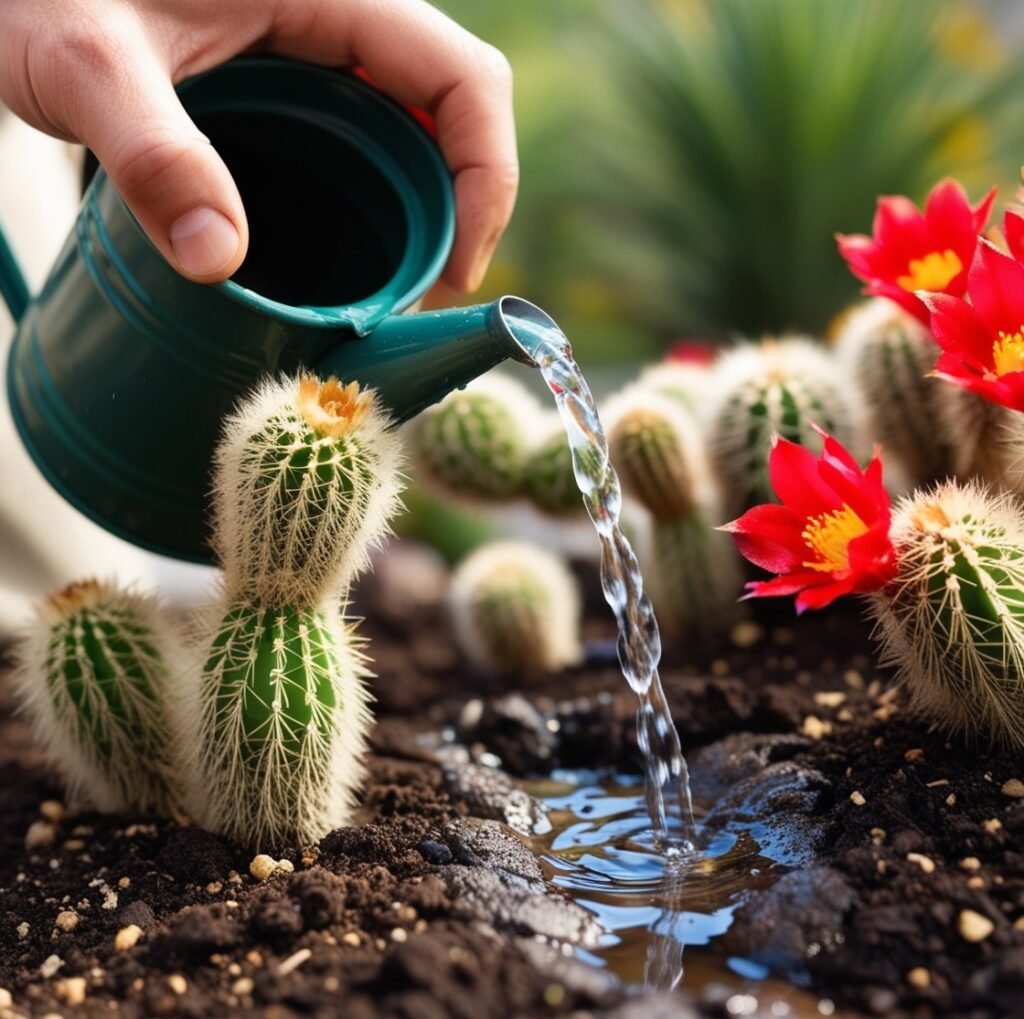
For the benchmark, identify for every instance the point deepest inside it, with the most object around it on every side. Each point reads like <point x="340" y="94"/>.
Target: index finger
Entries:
<point x="418" y="55"/>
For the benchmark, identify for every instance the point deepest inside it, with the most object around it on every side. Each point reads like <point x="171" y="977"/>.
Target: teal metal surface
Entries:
<point x="13" y="287"/>
<point x="122" y="371"/>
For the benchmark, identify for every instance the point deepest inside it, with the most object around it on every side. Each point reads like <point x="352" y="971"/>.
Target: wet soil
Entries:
<point x="911" y="902"/>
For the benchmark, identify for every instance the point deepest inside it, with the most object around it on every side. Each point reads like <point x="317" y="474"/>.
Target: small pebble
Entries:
<point x="23" y="929"/>
<point x="992" y="825"/>
<point x="50" y="965"/>
<point x="830" y="698"/>
<point x="293" y="962"/>
<point x="400" y="934"/>
<point x="242" y="986"/>
<point x="262" y="866"/>
<point x="951" y="800"/>
<point x="124" y="882"/>
<point x="877" y="834"/>
<point x="71" y="990"/>
<point x="973" y="926"/>
<point x="746" y="634"/>
<point x="52" y="810"/>
<point x="857" y="798"/>
<point x="6" y="1001"/>
<point x="924" y="862"/>
<point x="853" y="679"/>
<point x="127" y="937"/>
<point x="1018" y="924"/>
<point x="1014" y="788"/>
<point x="920" y="978"/>
<point x="331" y="984"/>
<point x="74" y="845"/>
<point x="970" y="863"/>
<point x="285" y="867"/>
<point x="351" y="939"/>
<point x="844" y="715"/>
<point x="214" y="888"/>
<point x="39" y="834"/>
<point x="914" y="755"/>
<point x="977" y="881"/>
<point x="177" y="983"/>
<point x="815" y="728"/>
<point x="67" y="920"/>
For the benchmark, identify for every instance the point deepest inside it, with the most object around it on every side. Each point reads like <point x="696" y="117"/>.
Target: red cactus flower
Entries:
<point x="983" y="342"/>
<point x="829" y="537"/>
<point x="913" y="250"/>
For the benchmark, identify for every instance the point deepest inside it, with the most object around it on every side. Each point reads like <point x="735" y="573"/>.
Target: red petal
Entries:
<point x="959" y="330"/>
<point x="791" y="583"/>
<point x="770" y="537"/>
<point x="900" y="230"/>
<point x="872" y="559"/>
<point x="1013" y="231"/>
<point x="794" y="476"/>
<point x="819" y="597"/>
<point x="904" y="298"/>
<point x="950" y="217"/>
<point x="997" y="289"/>
<point x="861" y="254"/>
<point x="983" y="210"/>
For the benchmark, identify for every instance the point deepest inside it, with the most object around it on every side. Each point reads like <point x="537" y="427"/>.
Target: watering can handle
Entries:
<point x="12" y="282"/>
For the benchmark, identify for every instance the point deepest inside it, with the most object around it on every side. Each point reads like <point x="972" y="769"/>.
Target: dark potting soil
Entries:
<point x="430" y="906"/>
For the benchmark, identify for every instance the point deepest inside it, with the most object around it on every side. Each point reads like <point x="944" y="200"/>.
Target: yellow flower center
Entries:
<point x="1008" y="352"/>
<point x="933" y="272"/>
<point x="829" y="535"/>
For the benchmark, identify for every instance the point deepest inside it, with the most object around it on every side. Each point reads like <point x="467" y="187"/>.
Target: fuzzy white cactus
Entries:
<point x="692" y="570"/>
<point x="516" y="608"/>
<point x="474" y="444"/>
<point x="306" y="478"/>
<point x="953" y="619"/>
<point x="781" y="387"/>
<point x="889" y="356"/>
<point x="273" y="729"/>
<point x="682" y="381"/>
<point x="96" y="672"/>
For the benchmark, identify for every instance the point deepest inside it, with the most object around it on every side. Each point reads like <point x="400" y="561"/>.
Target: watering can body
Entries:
<point x="122" y="371"/>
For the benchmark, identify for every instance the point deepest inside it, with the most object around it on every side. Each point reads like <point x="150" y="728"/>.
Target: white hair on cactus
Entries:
<point x="682" y="381"/>
<point x="275" y="730"/>
<point x="988" y="438"/>
<point x="516" y="607"/>
<point x="658" y="451"/>
<point x="473" y="445"/>
<point x="778" y="387"/>
<point x="96" y="672"/>
<point x="889" y="355"/>
<point x="952" y="621"/>
<point x="306" y="478"/>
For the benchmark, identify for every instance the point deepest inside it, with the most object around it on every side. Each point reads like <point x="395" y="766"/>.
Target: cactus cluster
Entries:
<point x="952" y="621"/>
<point x="257" y="727"/>
<point x="516" y="608"/>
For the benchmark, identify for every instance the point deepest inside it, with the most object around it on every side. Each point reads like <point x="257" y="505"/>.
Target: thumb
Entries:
<point x="168" y="173"/>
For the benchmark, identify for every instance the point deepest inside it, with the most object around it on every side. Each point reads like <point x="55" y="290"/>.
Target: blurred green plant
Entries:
<point x="687" y="162"/>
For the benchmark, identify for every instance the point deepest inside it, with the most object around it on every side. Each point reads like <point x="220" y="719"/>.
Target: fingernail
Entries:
<point x="204" y="241"/>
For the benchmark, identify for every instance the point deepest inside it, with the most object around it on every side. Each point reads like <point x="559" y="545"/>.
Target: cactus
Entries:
<point x="93" y="677"/>
<point x="684" y="382"/>
<point x="474" y="444"/>
<point x="516" y="608"/>
<point x="989" y="439"/>
<point x="306" y="477"/>
<point x="548" y="479"/>
<point x="283" y="716"/>
<point x="953" y="619"/>
<point x="778" y="387"/>
<point x="692" y="569"/>
<point x="888" y="354"/>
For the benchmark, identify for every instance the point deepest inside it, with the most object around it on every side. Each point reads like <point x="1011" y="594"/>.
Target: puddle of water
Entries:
<point x="639" y="643"/>
<point x="658" y="905"/>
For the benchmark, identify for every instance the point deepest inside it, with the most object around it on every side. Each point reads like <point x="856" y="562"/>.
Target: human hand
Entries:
<point x="101" y="72"/>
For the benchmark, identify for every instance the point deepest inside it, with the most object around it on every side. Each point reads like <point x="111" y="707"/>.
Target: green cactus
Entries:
<point x="548" y="479"/>
<point x="474" y="444"/>
<point x="93" y="676"/>
<point x="516" y="608"/>
<point x="888" y="354"/>
<point x="684" y="382"/>
<point x="692" y="570"/>
<point x="953" y="619"/>
<point x="774" y="388"/>
<point x="306" y="477"/>
<point x="284" y="714"/>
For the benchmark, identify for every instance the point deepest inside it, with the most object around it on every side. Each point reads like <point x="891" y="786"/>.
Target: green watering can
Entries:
<point x="122" y="371"/>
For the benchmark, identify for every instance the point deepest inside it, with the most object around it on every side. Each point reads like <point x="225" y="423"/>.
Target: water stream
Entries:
<point x="639" y="643"/>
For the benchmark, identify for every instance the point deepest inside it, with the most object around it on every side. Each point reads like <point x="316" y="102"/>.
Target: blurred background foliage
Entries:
<point x="686" y="163"/>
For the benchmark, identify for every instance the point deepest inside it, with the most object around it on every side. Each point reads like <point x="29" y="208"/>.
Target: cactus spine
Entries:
<point x="889" y="356"/>
<point x="516" y="608"/>
<point x="692" y="569"/>
<point x="305" y="480"/>
<point x="93" y="677"/>
<point x="953" y="619"/>
<point x="778" y="387"/>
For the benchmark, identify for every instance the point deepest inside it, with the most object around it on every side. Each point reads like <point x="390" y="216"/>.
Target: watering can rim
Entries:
<point x="358" y="316"/>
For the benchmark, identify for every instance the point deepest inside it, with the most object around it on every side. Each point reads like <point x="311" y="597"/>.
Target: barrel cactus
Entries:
<point x="683" y="381"/>
<point x="94" y="676"/>
<point x="889" y="356"/>
<point x="952" y="621"/>
<point x="548" y="479"/>
<point x="784" y="388"/>
<point x="305" y="479"/>
<point x="516" y="608"/>
<point x="691" y="568"/>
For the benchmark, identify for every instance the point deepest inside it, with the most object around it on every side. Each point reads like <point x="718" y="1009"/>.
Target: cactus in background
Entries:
<point x="474" y="444"/>
<point x="889" y="355"/>
<point x="305" y="480"/>
<point x="775" y="388"/>
<point x="952" y="621"/>
<point x="306" y="477"/>
<point x="989" y="439"/>
<point x="516" y="608"/>
<point x="548" y="479"/>
<point x="683" y="381"/>
<point x="93" y="676"/>
<point x="692" y="570"/>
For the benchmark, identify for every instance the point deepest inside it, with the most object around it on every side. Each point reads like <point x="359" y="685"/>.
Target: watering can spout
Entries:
<point x="414" y="361"/>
